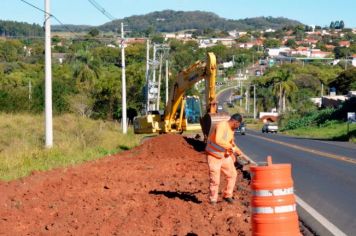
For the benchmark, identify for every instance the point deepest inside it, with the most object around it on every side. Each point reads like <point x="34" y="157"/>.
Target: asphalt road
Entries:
<point x="324" y="175"/>
<point x="224" y="96"/>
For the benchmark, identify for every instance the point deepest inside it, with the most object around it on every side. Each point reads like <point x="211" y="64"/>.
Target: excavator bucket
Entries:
<point x="209" y="120"/>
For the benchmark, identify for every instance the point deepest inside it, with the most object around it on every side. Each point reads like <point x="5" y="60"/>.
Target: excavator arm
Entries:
<point x="185" y="80"/>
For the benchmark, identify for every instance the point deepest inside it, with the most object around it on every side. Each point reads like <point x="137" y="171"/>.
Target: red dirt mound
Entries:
<point x="158" y="188"/>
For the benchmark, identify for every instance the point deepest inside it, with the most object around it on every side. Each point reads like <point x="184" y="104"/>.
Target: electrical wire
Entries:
<point x="50" y="15"/>
<point x="102" y="10"/>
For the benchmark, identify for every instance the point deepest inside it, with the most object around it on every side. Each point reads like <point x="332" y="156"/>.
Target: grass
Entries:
<point x="76" y="140"/>
<point x="329" y="131"/>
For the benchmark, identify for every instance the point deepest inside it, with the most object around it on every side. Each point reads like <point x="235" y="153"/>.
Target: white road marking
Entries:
<point x="319" y="153"/>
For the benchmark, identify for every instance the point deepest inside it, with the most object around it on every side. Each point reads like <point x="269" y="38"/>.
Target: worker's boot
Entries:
<point x="228" y="200"/>
<point x="213" y="203"/>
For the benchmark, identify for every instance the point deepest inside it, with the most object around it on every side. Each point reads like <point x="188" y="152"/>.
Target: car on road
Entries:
<point x="241" y="130"/>
<point x="220" y="108"/>
<point x="270" y="128"/>
<point x="230" y="104"/>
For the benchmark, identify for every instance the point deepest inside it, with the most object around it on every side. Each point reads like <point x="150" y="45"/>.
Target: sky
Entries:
<point x="81" y="12"/>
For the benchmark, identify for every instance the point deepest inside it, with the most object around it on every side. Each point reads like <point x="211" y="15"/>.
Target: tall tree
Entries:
<point x="86" y="71"/>
<point x="283" y="85"/>
<point x="332" y="25"/>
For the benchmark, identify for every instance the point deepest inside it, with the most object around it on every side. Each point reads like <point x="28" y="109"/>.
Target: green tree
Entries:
<point x="94" y="32"/>
<point x="86" y="71"/>
<point x="271" y="43"/>
<point x="345" y="82"/>
<point x="332" y="25"/>
<point x="283" y="86"/>
<point x="291" y="43"/>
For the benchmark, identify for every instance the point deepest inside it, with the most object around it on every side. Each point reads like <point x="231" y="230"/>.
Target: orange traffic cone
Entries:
<point x="273" y="203"/>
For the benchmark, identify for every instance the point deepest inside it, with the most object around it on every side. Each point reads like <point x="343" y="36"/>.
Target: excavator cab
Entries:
<point x="193" y="112"/>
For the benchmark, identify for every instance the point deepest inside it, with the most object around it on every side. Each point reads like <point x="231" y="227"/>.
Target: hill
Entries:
<point x="173" y="21"/>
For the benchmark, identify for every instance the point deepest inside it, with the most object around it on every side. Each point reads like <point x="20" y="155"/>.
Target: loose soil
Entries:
<point x="158" y="188"/>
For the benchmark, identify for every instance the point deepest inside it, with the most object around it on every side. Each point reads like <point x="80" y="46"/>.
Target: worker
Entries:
<point x="220" y="151"/>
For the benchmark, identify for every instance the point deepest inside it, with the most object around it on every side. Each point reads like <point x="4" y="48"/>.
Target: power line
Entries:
<point x="50" y="15"/>
<point x="102" y="10"/>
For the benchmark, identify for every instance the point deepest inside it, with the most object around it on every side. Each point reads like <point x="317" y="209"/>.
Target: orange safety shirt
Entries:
<point x="221" y="141"/>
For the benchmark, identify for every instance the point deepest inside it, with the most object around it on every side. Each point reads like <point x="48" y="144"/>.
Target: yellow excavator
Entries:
<point x="175" y="117"/>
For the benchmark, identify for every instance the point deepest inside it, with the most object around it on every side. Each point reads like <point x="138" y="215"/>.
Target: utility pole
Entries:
<point x="48" y="78"/>
<point x="154" y="63"/>
<point x="154" y="72"/>
<point x="241" y="93"/>
<point x="322" y="90"/>
<point x="123" y="73"/>
<point x="147" y="75"/>
<point x="29" y="94"/>
<point x="159" y="82"/>
<point x="166" y="81"/>
<point x="254" y="101"/>
<point x="280" y="97"/>
<point x="29" y="91"/>
<point x="246" y="100"/>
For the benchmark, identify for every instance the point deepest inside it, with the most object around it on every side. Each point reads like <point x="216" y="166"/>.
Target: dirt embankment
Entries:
<point x="158" y="188"/>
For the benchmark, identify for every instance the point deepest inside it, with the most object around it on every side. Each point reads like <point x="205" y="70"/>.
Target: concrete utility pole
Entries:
<point x="147" y="75"/>
<point x="123" y="120"/>
<point x="166" y="81"/>
<point x="154" y="72"/>
<point x="154" y="63"/>
<point x="246" y="100"/>
<point x="159" y="82"/>
<point x="241" y="94"/>
<point x="48" y="78"/>
<point x="254" y="101"/>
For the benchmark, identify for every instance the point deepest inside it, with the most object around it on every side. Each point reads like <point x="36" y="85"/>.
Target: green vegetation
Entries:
<point x="333" y="130"/>
<point x="326" y="123"/>
<point x="77" y="139"/>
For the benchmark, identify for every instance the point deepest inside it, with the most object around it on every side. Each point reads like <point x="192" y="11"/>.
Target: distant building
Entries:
<point x="274" y="52"/>
<point x="270" y="30"/>
<point x="316" y="53"/>
<point x="135" y="40"/>
<point x="353" y="62"/>
<point x="59" y="57"/>
<point x="344" y="44"/>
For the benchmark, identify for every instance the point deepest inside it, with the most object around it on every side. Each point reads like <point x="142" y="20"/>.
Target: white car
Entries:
<point x="270" y="128"/>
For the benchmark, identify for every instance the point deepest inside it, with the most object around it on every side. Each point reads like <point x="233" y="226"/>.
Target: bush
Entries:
<point x="314" y="118"/>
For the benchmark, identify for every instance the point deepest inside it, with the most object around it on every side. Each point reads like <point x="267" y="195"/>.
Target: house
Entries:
<point x="228" y="64"/>
<point x="270" y="30"/>
<point x="59" y="57"/>
<point x="169" y="36"/>
<point x="224" y="41"/>
<point x="333" y="101"/>
<point x="302" y="51"/>
<point x="245" y="45"/>
<point x="344" y="44"/>
<point x="329" y="47"/>
<point x="135" y="40"/>
<point x="273" y="52"/>
<point x="316" y="53"/>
